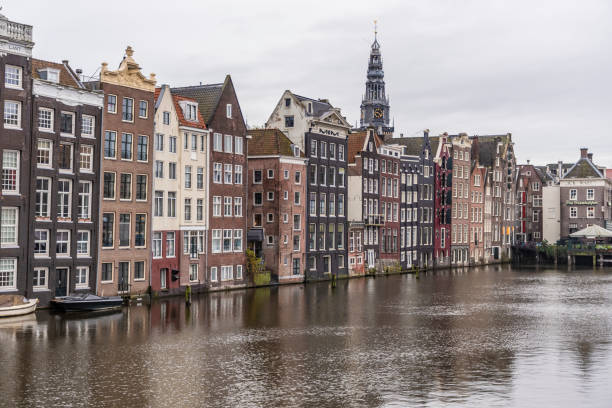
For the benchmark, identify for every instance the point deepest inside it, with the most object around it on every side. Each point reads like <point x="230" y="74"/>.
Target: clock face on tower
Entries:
<point x="378" y="113"/>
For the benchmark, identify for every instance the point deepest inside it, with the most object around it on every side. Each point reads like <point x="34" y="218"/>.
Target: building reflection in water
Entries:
<point x="487" y="335"/>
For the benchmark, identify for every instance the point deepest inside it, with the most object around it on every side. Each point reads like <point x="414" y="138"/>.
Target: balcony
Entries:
<point x="374" y="220"/>
<point x="15" y="31"/>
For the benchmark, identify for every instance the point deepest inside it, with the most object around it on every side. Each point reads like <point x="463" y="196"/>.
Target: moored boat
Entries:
<point x="15" y="305"/>
<point x="86" y="303"/>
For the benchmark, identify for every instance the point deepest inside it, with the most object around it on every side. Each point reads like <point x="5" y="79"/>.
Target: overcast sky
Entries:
<point x="538" y="69"/>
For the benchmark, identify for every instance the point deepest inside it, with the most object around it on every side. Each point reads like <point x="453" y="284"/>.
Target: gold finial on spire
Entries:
<point x="375" y="28"/>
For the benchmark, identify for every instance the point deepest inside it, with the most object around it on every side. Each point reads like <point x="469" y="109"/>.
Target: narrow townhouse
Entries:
<point x="443" y="163"/>
<point x="65" y="190"/>
<point x="460" y="246"/>
<point x="389" y="156"/>
<point x="476" y="214"/>
<point x="529" y="189"/>
<point x="167" y="154"/>
<point x="127" y="164"/>
<point x="180" y="173"/>
<point x="320" y="130"/>
<point x="15" y="152"/>
<point x="226" y="190"/>
<point x="364" y="215"/>
<point x="488" y="217"/>
<point x="422" y="148"/>
<point x="496" y="153"/>
<point x="277" y="210"/>
<point x="409" y="210"/>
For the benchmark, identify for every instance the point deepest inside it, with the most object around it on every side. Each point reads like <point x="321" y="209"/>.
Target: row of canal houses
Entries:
<point x="119" y="185"/>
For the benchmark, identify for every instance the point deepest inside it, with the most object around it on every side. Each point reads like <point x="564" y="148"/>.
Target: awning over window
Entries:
<point x="255" y="234"/>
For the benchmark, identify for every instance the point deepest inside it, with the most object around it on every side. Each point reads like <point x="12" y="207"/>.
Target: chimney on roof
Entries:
<point x="590" y="156"/>
<point x="584" y="152"/>
<point x="401" y="135"/>
<point x="79" y="73"/>
<point x="65" y="62"/>
<point x="527" y="161"/>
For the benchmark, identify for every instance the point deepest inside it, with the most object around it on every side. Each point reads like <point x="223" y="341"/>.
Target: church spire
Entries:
<point x="375" y="103"/>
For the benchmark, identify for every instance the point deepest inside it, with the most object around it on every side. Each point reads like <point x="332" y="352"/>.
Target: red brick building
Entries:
<point x="529" y="184"/>
<point x="277" y="204"/>
<point x="443" y="201"/>
<point x="227" y="184"/>
<point x="389" y="156"/>
<point x="476" y="213"/>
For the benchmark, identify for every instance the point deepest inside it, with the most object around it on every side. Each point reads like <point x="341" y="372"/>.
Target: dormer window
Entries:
<point x="296" y="151"/>
<point x="191" y="111"/>
<point x="49" y="74"/>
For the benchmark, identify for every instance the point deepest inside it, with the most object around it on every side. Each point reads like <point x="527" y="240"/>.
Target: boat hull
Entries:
<point x="66" y="305"/>
<point x="19" y="310"/>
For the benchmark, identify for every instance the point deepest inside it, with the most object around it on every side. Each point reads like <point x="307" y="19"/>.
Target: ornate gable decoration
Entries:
<point x="333" y="117"/>
<point x="128" y="74"/>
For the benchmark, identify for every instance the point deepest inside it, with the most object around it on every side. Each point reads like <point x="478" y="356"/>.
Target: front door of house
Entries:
<point x="163" y="272"/>
<point x="61" y="282"/>
<point x="124" y="277"/>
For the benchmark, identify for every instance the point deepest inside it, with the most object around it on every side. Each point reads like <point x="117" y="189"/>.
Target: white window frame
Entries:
<point x="61" y="254"/>
<point x="16" y="169"/>
<point x="13" y="73"/>
<point x="79" y="284"/>
<point x="50" y="120"/>
<point x="45" y="241"/>
<point x="238" y="238"/>
<point x="13" y="227"/>
<point x="238" y="145"/>
<point x="228" y="143"/>
<point x="237" y="206"/>
<point x="36" y="275"/>
<point x="91" y="127"/>
<point x="80" y="242"/>
<point x="10" y="275"/>
<point x="10" y="118"/>
<point x="89" y="156"/>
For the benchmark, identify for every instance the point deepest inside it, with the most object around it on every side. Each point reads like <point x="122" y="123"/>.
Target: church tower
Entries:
<point x="375" y="103"/>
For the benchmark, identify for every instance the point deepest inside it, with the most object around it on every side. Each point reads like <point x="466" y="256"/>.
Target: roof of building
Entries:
<point x="414" y="145"/>
<point x="267" y="142"/>
<point x="66" y="77"/>
<point x="181" y="117"/>
<point x="207" y="97"/>
<point x="583" y="168"/>
<point x="319" y="106"/>
<point x="355" y="144"/>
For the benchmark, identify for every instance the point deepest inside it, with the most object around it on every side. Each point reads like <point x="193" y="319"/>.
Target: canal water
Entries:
<point x="485" y="337"/>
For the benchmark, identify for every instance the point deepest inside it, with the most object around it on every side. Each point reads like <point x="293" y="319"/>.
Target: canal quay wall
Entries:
<point x="263" y="282"/>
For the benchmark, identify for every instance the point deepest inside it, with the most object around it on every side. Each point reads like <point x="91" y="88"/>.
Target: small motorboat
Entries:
<point x="86" y="302"/>
<point x="16" y="305"/>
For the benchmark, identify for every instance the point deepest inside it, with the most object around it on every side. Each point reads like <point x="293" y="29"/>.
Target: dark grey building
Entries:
<point x="326" y="251"/>
<point x="420" y="147"/>
<point x="65" y="189"/>
<point x="15" y="149"/>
